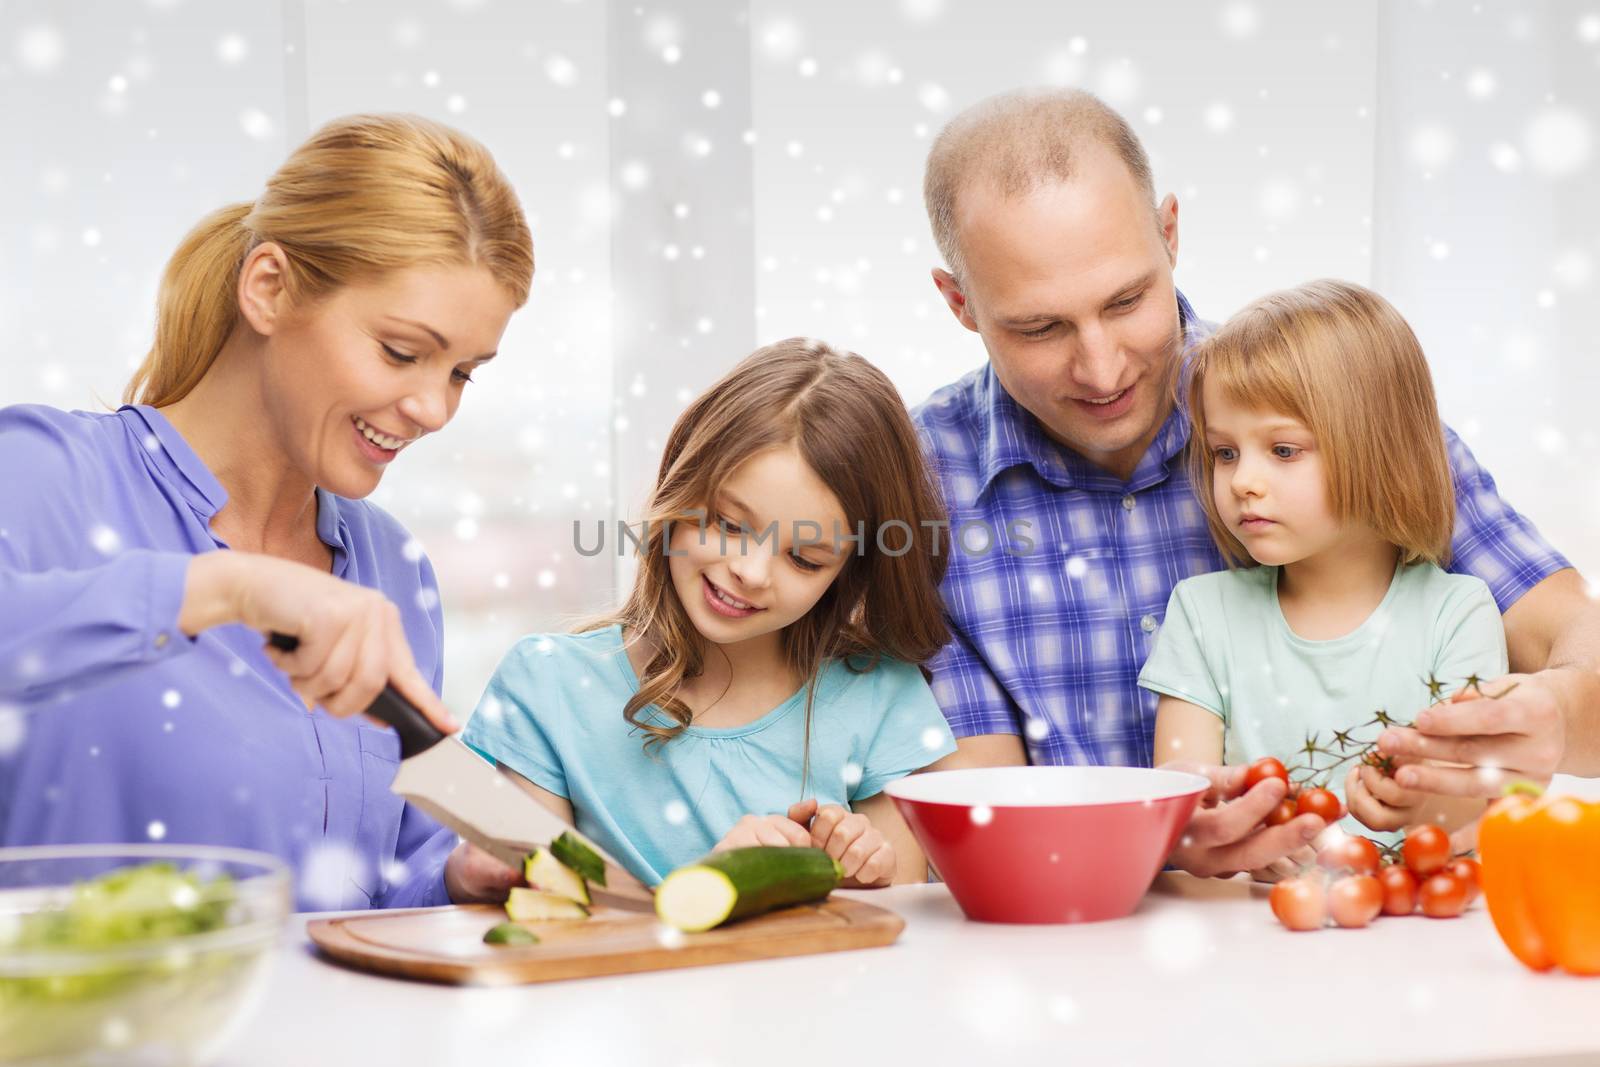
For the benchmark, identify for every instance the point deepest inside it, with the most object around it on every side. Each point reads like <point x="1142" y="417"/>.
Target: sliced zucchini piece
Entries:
<point x="544" y="871"/>
<point x="570" y="849"/>
<point x="534" y="905"/>
<point x="510" y="934"/>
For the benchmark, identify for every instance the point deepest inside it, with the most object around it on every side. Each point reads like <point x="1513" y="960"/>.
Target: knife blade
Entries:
<point x="480" y="801"/>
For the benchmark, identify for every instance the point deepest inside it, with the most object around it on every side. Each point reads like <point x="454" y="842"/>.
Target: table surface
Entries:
<point x="1200" y="973"/>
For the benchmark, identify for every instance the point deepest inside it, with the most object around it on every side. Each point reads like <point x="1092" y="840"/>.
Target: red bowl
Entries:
<point x="1048" y="844"/>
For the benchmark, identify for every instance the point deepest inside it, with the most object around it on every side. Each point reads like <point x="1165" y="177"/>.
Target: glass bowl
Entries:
<point x="133" y="954"/>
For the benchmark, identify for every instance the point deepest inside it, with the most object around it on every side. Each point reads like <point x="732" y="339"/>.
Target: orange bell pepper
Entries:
<point x="1541" y="879"/>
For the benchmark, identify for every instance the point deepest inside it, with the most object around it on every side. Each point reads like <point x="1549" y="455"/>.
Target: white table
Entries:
<point x="1200" y="974"/>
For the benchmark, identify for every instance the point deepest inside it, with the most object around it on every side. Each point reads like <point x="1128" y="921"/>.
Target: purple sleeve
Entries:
<point x="82" y="628"/>
<point x="423" y="883"/>
<point x="76" y="609"/>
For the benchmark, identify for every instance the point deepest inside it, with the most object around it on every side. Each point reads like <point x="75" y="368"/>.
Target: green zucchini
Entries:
<point x="543" y="871"/>
<point x="510" y="934"/>
<point x="570" y="849"/>
<point x="743" y="882"/>
<point x="534" y="905"/>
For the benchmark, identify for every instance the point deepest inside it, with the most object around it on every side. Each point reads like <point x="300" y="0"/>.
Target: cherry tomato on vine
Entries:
<point x="1399" y="890"/>
<point x="1320" y="802"/>
<point x="1281" y="814"/>
<point x="1443" y="896"/>
<point x="1264" y="768"/>
<point x="1426" y="850"/>
<point x="1300" y="903"/>
<point x="1355" y="900"/>
<point x="1466" y="868"/>
<point x="1351" y="852"/>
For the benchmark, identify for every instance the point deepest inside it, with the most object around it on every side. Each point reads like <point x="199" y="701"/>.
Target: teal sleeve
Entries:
<point x="1177" y="665"/>
<point x="912" y="731"/>
<point x="514" y="722"/>
<point x="1471" y="638"/>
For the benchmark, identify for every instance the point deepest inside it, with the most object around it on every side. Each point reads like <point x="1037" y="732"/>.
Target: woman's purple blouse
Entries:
<point x="115" y="727"/>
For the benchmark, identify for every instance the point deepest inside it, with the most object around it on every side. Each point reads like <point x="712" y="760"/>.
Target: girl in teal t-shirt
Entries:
<point x="1319" y="457"/>
<point x="762" y="683"/>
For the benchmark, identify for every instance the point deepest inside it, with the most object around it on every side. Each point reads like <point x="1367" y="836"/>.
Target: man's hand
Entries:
<point x="1521" y="736"/>
<point x="1225" y="835"/>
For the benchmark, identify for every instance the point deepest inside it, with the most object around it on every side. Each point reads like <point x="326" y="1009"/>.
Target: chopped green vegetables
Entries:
<point x="557" y="889"/>
<point x="145" y="903"/>
<point x="75" y="974"/>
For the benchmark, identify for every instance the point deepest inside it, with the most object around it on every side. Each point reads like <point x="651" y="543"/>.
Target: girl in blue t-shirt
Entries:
<point x="1320" y="460"/>
<point x="762" y="683"/>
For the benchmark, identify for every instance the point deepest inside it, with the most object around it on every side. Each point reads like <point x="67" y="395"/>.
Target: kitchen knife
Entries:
<point x="475" y="798"/>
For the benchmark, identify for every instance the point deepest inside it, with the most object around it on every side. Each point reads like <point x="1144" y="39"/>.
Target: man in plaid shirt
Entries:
<point x="1061" y="462"/>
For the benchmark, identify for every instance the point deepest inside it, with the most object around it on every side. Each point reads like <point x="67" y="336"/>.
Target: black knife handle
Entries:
<point x="417" y="734"/>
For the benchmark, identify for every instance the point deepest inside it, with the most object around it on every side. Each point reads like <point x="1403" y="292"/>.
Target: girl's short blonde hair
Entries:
<point x="1340" y="359"/>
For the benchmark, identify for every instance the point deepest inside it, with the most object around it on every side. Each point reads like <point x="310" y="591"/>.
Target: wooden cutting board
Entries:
<point x="446" y="944"/>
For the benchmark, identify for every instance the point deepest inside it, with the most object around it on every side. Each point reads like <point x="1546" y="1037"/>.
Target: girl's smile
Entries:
<point x="751" y="539"/>
<point x="726" y="604"/>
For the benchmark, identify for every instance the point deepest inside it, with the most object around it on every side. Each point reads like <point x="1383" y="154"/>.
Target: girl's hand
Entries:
<point x="351" y="640"/>
<point x="1380" y="803"/>
<point x="472" y="876"/>
<point x="777" y="830"/>
<point x="866" y="856"/>
<point x="1288" y="866"/>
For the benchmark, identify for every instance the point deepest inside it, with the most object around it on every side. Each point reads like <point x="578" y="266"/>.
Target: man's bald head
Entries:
<point x="1016" y="142"/>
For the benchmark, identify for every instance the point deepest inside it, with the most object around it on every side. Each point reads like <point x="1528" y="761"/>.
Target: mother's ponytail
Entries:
<point x="195" y="308"/>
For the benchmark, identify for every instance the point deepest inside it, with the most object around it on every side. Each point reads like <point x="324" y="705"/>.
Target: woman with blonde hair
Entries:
<point x="302" y="342"/>
<point x="763" y="682"/>
<point x="1319" y="459"/>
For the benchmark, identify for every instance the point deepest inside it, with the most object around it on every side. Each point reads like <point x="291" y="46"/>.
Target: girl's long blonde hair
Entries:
<point x="847" y="421"/>
<point x="1340" y="359"/>
<point x="366" y="195"/>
